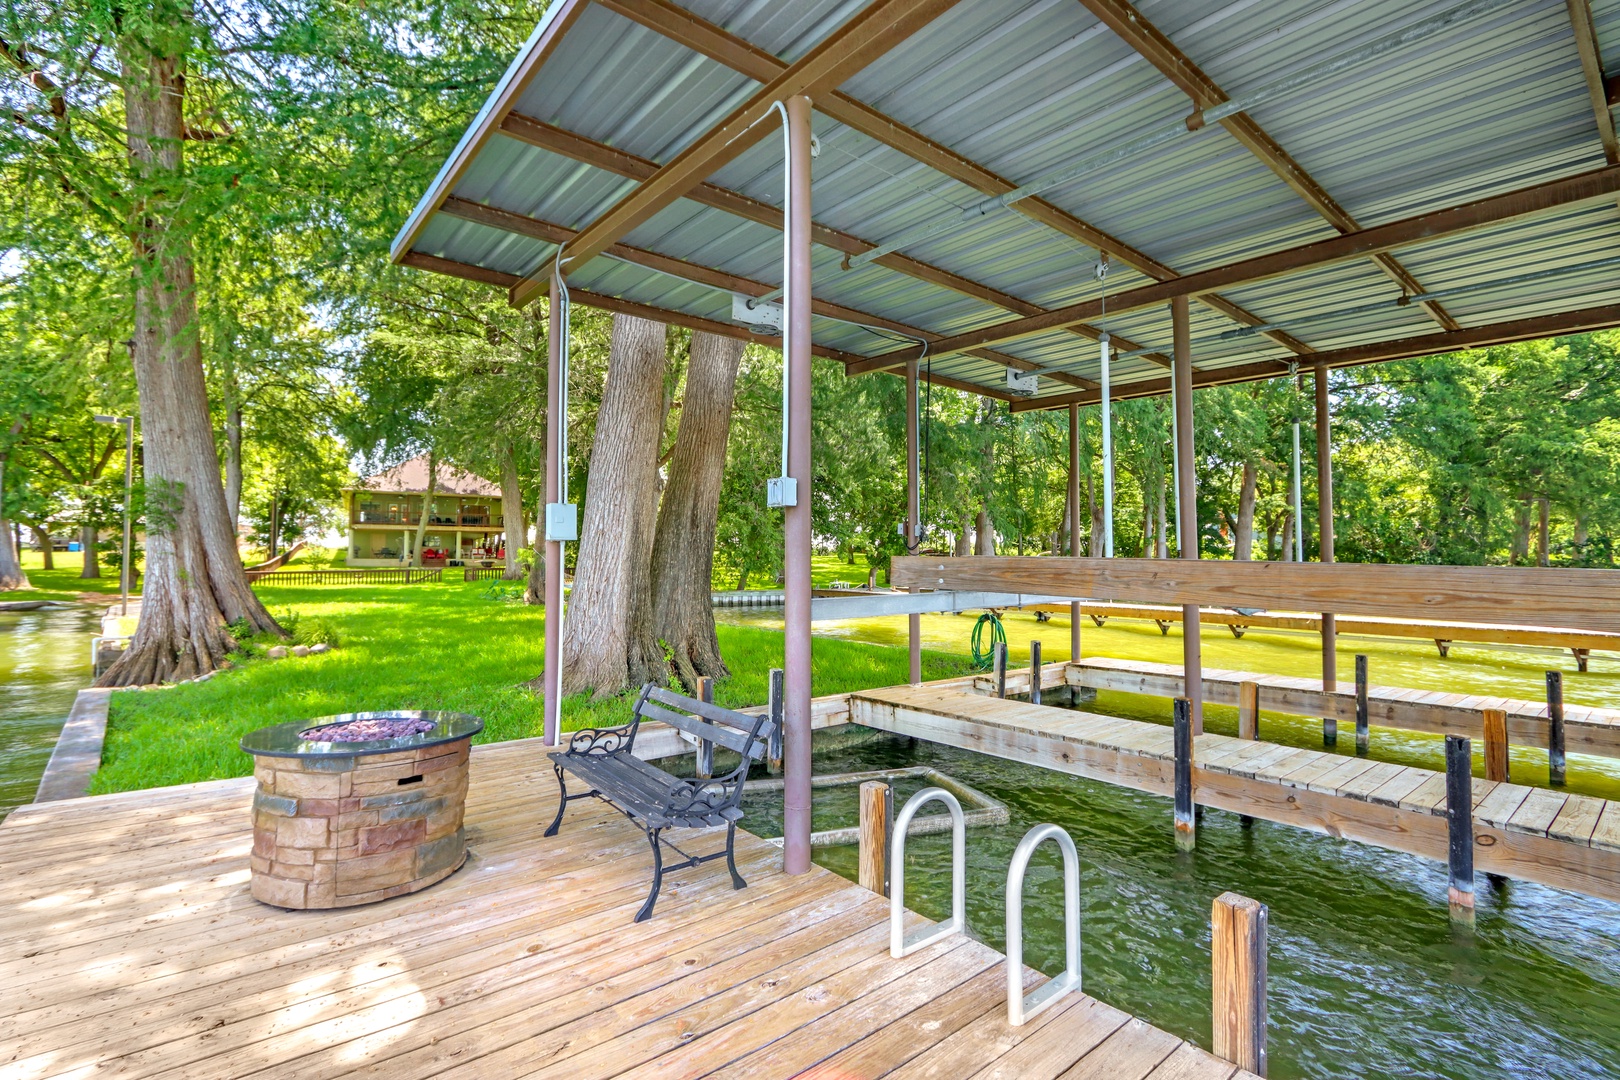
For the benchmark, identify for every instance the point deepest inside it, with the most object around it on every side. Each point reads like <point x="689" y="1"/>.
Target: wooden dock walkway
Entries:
<point x="129" y="946"/>
<point x="1566" y="841"/>
<point x="1580" y="643"/>
<point x="1587" y="729"/>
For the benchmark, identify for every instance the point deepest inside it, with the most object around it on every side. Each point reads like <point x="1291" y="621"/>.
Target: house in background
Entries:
<point x="464" y="520"/>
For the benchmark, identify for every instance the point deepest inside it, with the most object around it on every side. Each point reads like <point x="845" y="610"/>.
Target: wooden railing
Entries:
<point x="381" y="575"/>
<point x="482" y="573"/>
<point x="1497" y="595"/>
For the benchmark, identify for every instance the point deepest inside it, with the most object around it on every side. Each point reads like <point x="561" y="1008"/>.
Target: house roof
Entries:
<point x="411" y="477"/>
<point x="1401" y="179"/>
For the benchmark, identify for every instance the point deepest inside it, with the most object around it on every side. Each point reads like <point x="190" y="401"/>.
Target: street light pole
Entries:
<point x="129" y="489"/>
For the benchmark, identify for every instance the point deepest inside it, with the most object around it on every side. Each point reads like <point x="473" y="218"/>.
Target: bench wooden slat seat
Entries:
<point x="604" y="758"/>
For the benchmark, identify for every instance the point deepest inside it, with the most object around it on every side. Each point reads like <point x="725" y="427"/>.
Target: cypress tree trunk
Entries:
<point x="87" y="548"/>
<point x="11" y="571"/>
<point x="194" y="580"/>
<point x="682" y="617"/>
<point x="612" y="578"/>
<point x="511" y="511"/>
<point x="1243" y="534"/>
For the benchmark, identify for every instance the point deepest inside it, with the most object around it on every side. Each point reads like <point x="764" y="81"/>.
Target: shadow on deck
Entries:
<point x="130" y="946"/>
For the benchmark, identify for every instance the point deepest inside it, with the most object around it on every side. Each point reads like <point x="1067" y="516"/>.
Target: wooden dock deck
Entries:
<point x="129" y="946"/>
<point x="1587" y="729"/>
<point x="1566" y="841"/>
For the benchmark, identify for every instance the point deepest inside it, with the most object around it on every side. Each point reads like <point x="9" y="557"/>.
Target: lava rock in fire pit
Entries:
<point x="369" y="730"/>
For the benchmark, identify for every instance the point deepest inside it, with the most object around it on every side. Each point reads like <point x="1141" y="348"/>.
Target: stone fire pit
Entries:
<point x="359" y="807"/>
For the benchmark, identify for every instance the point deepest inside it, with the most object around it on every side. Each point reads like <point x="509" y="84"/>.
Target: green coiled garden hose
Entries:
<point x="984" y="653"/>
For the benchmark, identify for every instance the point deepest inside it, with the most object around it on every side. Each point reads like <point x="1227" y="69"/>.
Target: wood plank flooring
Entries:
<point x="1587" y="729"/>
<point x="129" y="947"/>
<point x="1537" y="834"/>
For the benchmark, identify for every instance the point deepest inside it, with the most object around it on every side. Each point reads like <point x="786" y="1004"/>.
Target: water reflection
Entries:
<point x="44" y="662"/>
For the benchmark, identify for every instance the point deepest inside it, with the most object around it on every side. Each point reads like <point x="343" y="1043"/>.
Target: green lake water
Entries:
<point x="44" y="662"/>
<point x="1368" y="977"/>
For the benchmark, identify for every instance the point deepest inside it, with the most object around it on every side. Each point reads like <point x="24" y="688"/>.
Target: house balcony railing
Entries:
<point x="469" y="521"/>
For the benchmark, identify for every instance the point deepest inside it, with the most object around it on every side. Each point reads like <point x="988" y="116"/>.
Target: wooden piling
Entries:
<point x="877" y="825"/>
<point x="1555" y="728"/>
<point x="1248" y="710"/>
<point x="1361" y="703"/>
<point x="1496" y="745"/>
<point x="773" y="750"/>
<point x="1238" y="960"/>
<point x="1460" y="826"/>
<point x="1186" y="826"/>
<point x="705" y="748"/>
<point x="999" y="652"/>
<point x="1034" y="673"/>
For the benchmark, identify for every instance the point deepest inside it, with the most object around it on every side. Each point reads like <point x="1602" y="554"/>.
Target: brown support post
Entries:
<point x="1186" y="815"/>
<point x="1324" y="524"/>
<point x="913" y="513"/>
<point x="551" y="691"/>
<point x="1248" y="710"/>
<point x="1460" y="827"/>
<point x="705" y="749"/>
<point x="877" y="823"/>
<point x="796" y="519"/>
<point x="1034" y="673"/>
<point x="773" y="750"/>
<point x="1555" y="728"/>
<point x="1496" y="745"/>
<point x="998" y="653"/>
<point x="1238" y="962"/>
<point x="1192" y="665"/>
<point x="1074" y="523"/>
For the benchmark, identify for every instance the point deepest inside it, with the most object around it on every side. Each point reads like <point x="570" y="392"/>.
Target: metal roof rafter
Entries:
<point x="745" y="58"/>
<point x="871" y="32"/>
<point x="695" y="273"/>
<point x="1603" y="96"/>
<point x="1531" y="329"/>
<point x="589" y="152"/>
<point x="1450" y="221"/>
<point x="1157" y="49"/>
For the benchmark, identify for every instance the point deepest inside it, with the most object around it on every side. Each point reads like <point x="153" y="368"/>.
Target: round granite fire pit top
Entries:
<point x="350" y="734"/>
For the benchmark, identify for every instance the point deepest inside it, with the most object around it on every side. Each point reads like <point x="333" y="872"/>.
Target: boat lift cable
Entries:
<point x="1311" y="75"/>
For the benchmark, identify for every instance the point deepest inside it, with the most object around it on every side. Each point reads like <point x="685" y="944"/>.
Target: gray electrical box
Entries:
<point x="562" y="522"/>
<point x="781" y="491"/>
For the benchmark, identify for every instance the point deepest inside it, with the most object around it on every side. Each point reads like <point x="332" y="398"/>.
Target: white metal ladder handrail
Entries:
<point x="900" y="942"/>
<point x="1019" y="1006"/>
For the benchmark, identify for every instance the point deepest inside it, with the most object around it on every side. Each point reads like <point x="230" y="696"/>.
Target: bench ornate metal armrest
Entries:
<point x="604" y="758"/>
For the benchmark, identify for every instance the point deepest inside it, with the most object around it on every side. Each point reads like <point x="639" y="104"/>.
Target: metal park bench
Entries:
<point x="652" y="798"/>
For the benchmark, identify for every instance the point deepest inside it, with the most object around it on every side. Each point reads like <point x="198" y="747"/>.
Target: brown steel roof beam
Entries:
<point x="1541" y="326"/>
<point x="1157" y="48"/>
<point x="1568" y="191"/>
<point x="484" y="275"/>
<point x="554" y="139"/>
<point x="1586" y="44"/>
<point x="873" y="31"/>
<point x="552" y="233"/>
<point x="745" y="58"/>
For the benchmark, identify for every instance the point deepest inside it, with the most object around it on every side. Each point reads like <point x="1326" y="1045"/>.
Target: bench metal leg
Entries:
<point x="562" y="801"/>
<point x="658" y="876"/>
<point x="731" y="857"/>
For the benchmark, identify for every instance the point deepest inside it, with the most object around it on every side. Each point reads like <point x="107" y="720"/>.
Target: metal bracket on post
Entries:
<point x="1555" y="728"/>
<point x="1460" y="826"/>
<point x="1362" y="736"/>
<point x="900" y="942"/>
<point x="1034" y="673"/>
<point x="773" y="751"/>
<point x="1019" y="1006"/>
<point x="1186" y="821"/>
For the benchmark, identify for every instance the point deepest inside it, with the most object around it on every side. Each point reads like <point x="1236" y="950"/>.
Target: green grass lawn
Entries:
<point x="430" y="646"/>
<point x="64" y="582"/>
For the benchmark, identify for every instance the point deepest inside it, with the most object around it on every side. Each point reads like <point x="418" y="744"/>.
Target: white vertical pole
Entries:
<point x="1108" y="456"/>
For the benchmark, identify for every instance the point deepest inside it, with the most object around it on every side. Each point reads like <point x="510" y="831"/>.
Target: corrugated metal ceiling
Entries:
<point x="1021" y="87"/>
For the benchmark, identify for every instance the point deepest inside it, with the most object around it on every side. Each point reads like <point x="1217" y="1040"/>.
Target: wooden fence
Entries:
<point x="482" y="573"/>
<point x="382" y="575"/>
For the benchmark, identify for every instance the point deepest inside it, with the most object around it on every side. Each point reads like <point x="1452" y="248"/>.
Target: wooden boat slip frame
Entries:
<point x="1496" y="595"/>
